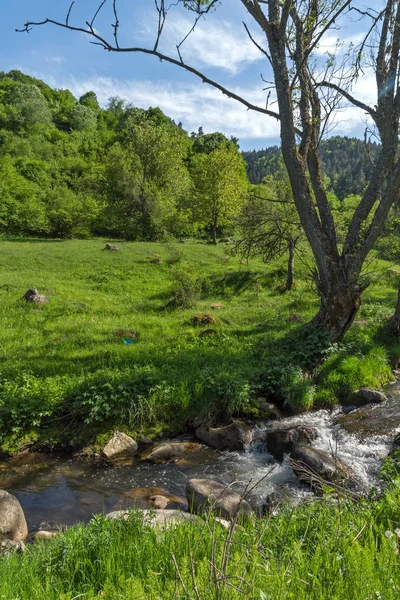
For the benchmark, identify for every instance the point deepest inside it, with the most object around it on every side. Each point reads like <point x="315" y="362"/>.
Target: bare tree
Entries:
<point x="308" y="94"/>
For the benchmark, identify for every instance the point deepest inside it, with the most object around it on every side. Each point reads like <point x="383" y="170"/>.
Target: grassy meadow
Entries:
<point x="66" y="378"/>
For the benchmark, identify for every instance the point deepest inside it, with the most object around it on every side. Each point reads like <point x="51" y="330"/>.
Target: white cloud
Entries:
<point x="55" y="59"/>
<point x="338" y="45"/>
<point x="198" y="105"/>
<point x="217" y="44"/>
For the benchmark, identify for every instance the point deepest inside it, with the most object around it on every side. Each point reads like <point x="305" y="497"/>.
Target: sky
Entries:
<point x="219" y="47"/>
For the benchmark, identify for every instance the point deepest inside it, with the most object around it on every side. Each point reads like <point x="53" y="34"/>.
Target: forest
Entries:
<point x="72" y="168"/>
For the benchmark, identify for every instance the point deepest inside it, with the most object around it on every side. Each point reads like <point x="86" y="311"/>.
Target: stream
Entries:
<point x="57" y="490"/>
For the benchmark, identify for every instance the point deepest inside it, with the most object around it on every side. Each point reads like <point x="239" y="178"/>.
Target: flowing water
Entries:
<point x="60" y="490"/>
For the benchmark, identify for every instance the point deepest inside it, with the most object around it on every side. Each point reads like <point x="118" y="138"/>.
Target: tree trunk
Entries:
<point x="290" y="269"/>
<point x="214" y="233"/>
<point x="338" y="308"/>
<point x="394" y="323"/>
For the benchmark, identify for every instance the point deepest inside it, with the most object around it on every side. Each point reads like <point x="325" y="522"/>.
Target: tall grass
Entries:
<point x="322" y="550"/>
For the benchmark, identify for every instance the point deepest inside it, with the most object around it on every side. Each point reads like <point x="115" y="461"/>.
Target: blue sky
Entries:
<point x="220" y="47"/>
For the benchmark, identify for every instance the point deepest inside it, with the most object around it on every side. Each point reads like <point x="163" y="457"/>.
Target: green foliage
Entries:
<point x="346" y="163"/>
<point x="220" y="183"/>
<point x="83" y="117"/>
<point x="346" y="371"/>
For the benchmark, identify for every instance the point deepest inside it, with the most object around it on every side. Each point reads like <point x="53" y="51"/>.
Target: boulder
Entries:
<point x="312" y="466"/>
<point x="236" y="436"/>
<point x="46" y="535"/>
<point x="203" y="319"/>
<point x="168" y="451"/>
<point x="150" y="498"/>
<point x="12" y="519"/>
<point x="145" y="441"/>
<point x="111" y="247"/>
<point x="269" y="410"/>
<point x="32" y="295"/>
<point x="9" y="546"/>
<point x="205" y="494"/>
<point x="120" y="443"/>
<point x="377" y="419"/>
<point x="282" y="440"/>
<point x="366" y="396"/>
<point x="157" y="518"/>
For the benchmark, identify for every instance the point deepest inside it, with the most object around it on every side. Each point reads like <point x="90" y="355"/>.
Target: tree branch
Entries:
<point x="153" y="52"/>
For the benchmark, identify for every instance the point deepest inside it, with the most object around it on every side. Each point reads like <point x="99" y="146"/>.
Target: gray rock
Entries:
<point x="8" y="546"/>
<point x="205" y="494"/>
<point x="157" y="518"/>
<point x="12" y="519"/>
<point x="145" y="441"/>
<point x="32" y="295"/>
<point x="366" y="396"/>
<point x="46" y="535"/>
<point x="150" y="498"/>
<point x="269" y="410"/>
<point x="312" y="466"/>
<point x="377" y="419"/>
<point x="120" y="443"/>
<point x="236" y="436"/>
<point x="281" y="440"/>
<point x="168" y="451"/>
<point x="111" y="247"/>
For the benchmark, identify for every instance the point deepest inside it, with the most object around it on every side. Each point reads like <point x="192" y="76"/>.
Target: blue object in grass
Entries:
<point x="128" y="342"/>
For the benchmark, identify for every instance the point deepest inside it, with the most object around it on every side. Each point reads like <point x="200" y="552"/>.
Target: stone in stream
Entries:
<point x="12" y="519"/>
<point x="316" y="468"/>
<point x="168" y="451"/>
<point x="379" y="419"/>
<point x="281" y="440"/>
<point x="150" y="498"/>
<point x="120" y="443"/>
<point x="32" y="295"/>
<point x="206" y="494"/>
<point x="366" y="396"/>
<point x="236" y="436"/>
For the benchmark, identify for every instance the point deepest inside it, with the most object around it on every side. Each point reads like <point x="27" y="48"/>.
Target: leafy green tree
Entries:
<point x="90" y="100"/>
<point x="147" y="176"/>
<point x="30" y="106"/>
<point x="83" y="118"/>
<point x="220" y="185"/>
<point x="270" y="224"/>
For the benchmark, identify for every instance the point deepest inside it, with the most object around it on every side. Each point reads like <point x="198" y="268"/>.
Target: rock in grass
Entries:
<point x="46" y="535"/>
<point x="236" y="436"/>
<point x="157" y="518"/>
<point x="9" y="546"/>
<point x="203" y="319"/>
<point x="205" y="494"/>
<point x="32" y="295"/>
<point x="111" y="247"/>
<point x="120" y="443"/>
<point x="168" y="451"/>
<point x="268" y="410"/>
<point x="366" y="396"/>
<point x="12" y="519"/>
